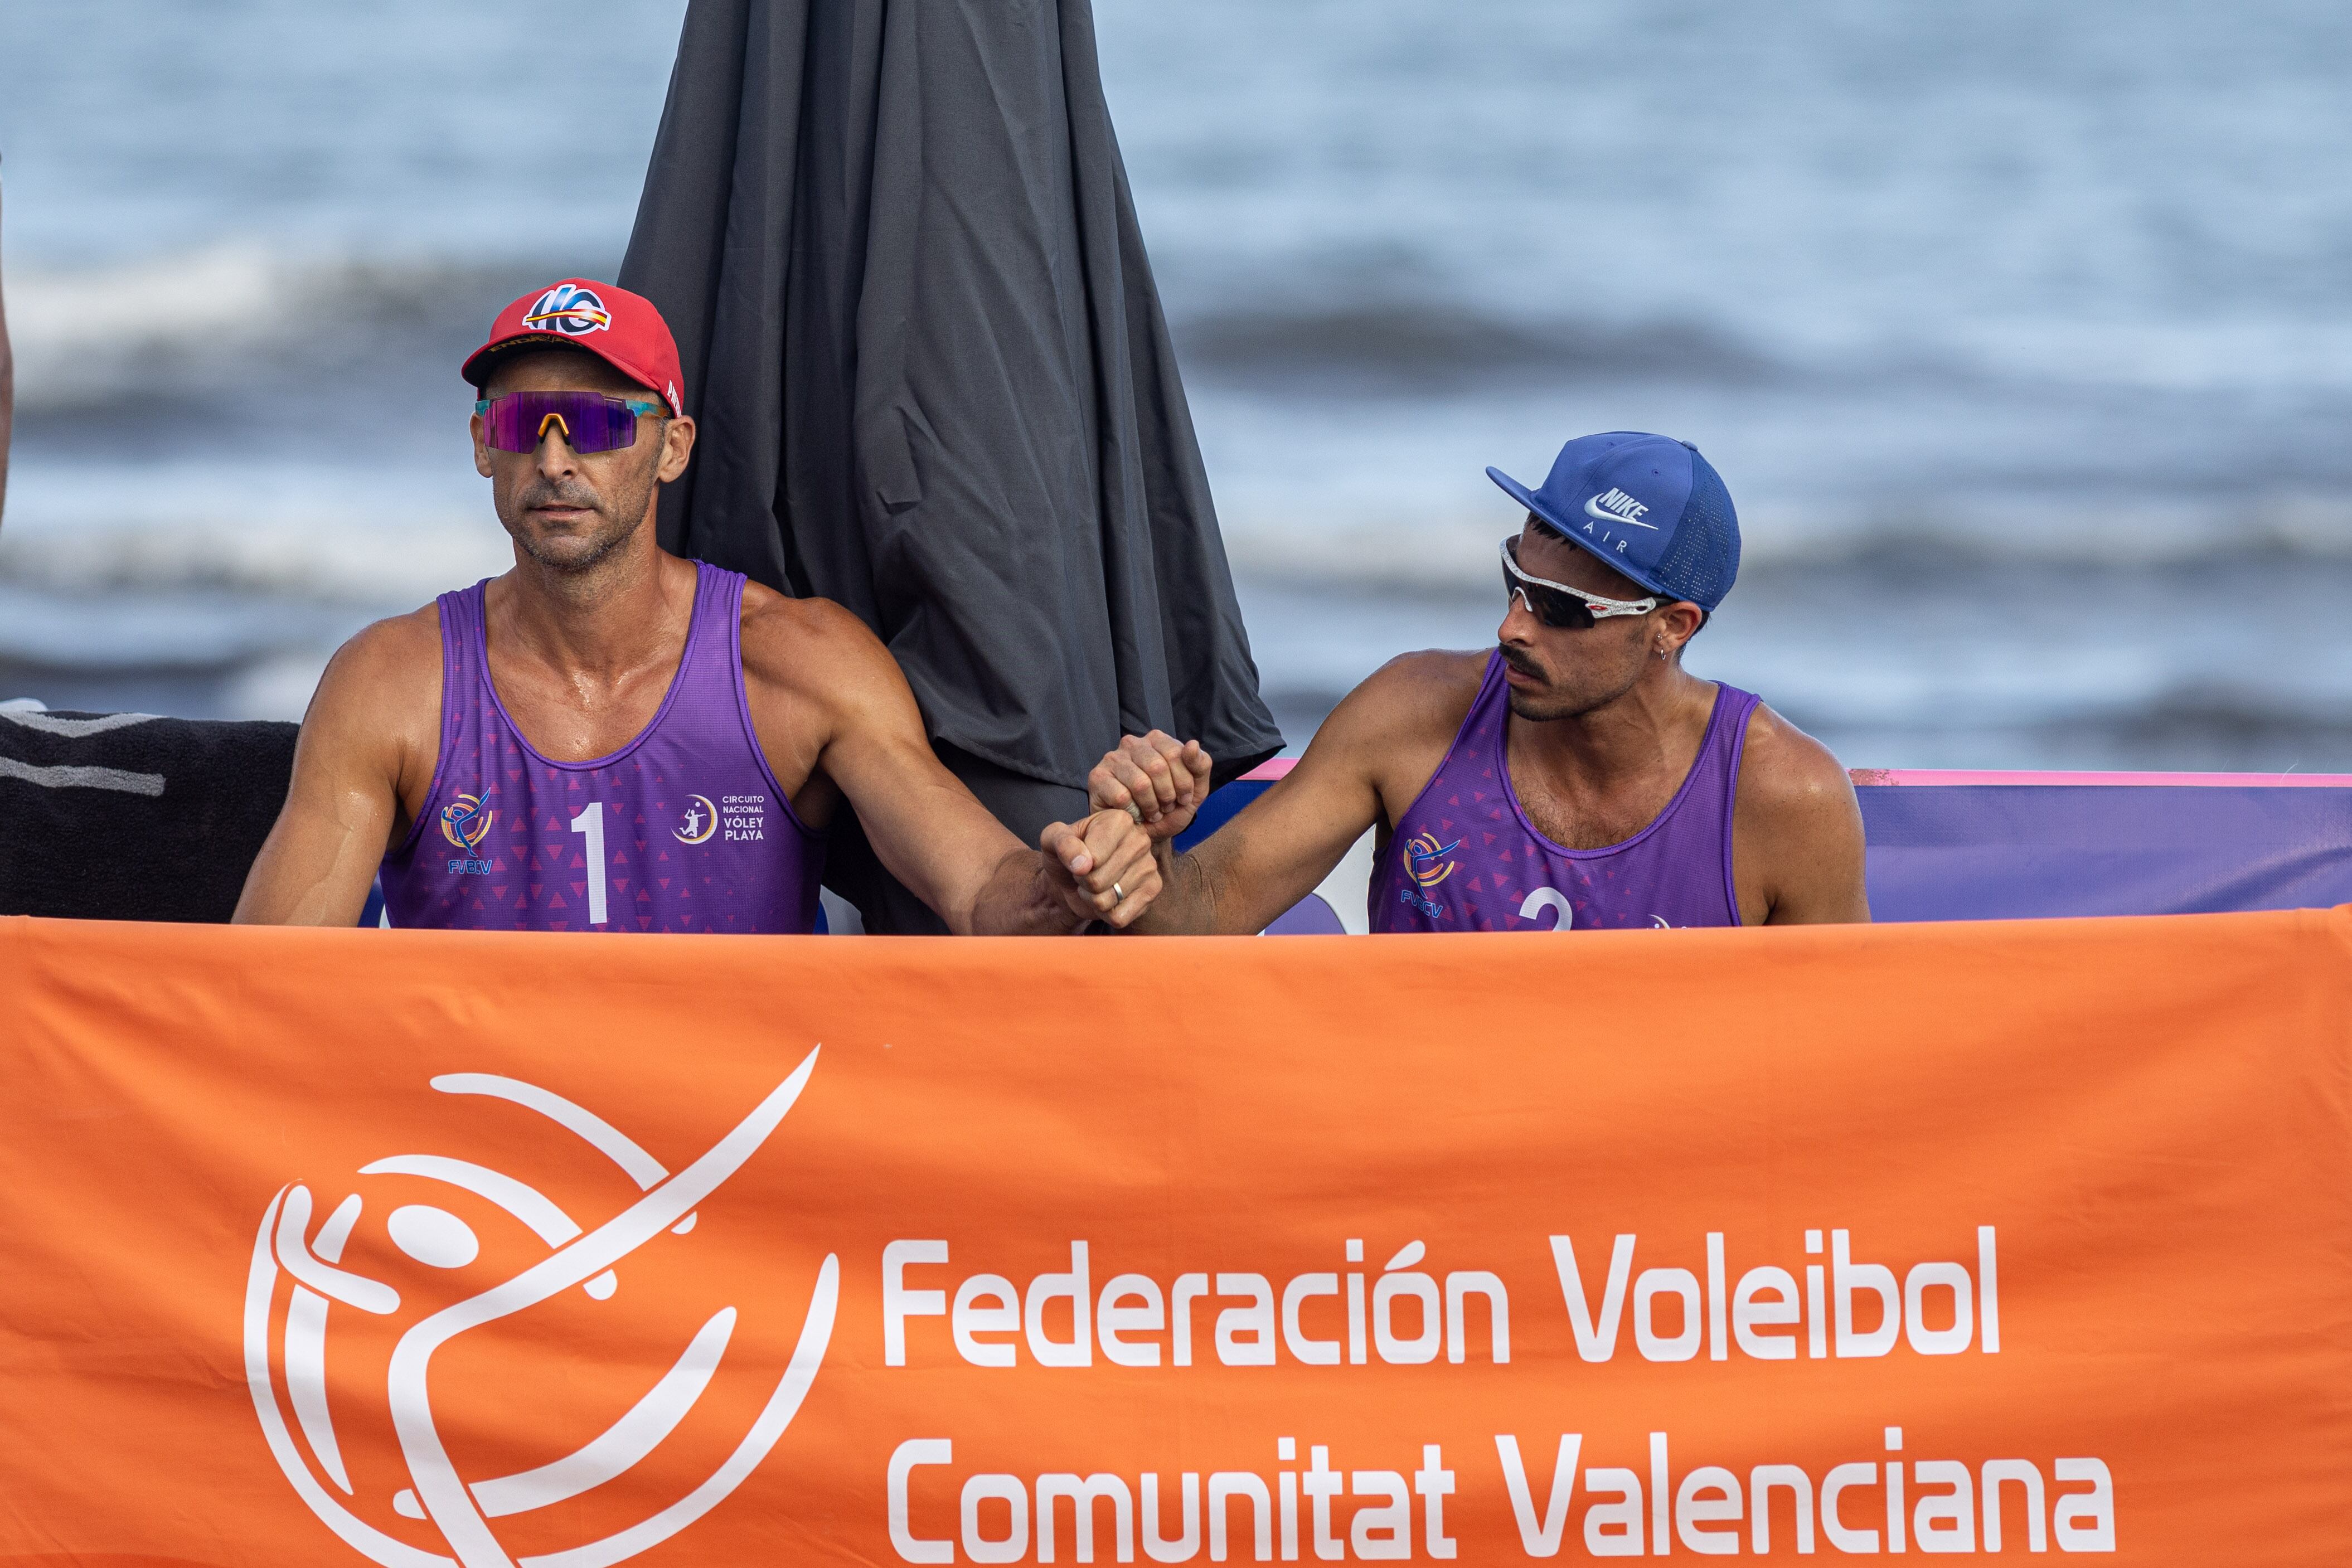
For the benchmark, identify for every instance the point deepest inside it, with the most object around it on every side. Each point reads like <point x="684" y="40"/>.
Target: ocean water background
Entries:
<point x="2023" y="334"/>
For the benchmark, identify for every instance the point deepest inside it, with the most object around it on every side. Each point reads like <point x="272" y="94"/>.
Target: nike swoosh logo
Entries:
<point x="1592" y="509"/>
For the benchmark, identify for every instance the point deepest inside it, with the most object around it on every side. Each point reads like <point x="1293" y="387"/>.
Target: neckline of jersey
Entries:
<point x="669" y="697"/>
<point x="1511" y="790"/>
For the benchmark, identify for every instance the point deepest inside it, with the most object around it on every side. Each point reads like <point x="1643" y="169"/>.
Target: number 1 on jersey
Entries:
<point x="590" y="822"/>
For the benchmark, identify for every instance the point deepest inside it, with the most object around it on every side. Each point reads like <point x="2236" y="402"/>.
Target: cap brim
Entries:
<point x="1535" y="504"/>
<point x="478" y="365"/>
<point x="1524" y="497"/>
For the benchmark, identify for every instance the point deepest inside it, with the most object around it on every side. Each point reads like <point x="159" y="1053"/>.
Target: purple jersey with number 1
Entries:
<point x="1464" y="857"/>
<point x="683" y="829"/>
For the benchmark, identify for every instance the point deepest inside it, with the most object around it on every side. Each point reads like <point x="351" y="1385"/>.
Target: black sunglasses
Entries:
<point x="1558" y="605"/>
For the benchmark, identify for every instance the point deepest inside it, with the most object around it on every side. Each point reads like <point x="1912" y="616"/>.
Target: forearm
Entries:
<point x="1187" y="904"/>
<point x="1017" y="900"/>
<point x="326" y="885"/>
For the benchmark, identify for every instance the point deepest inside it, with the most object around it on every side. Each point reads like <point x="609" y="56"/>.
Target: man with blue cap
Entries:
<point x="1574" y="776"/>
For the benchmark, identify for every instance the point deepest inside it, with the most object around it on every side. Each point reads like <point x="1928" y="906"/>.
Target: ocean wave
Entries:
<point x="285" y="558"/>
<point x="228" y="320"/>
<point x="1436" y="345"/>
<point x="241" y="320"/>
<point x="1423" y="345"/>
<point x="302" y="558"/>
<point x="1784" y="539"/>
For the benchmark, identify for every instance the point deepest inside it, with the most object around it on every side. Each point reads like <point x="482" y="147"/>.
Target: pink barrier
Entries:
<point x="1873" y="776"/>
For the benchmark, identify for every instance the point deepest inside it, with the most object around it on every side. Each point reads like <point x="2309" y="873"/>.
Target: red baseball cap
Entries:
<point x="621" y="328"/>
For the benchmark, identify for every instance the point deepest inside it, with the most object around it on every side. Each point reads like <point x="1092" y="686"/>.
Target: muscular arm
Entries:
<point x="1380" y="745"/>
<point x="1797" y="839"/>
<point x="929" y="831"/>
<point x="368" y="742"/>
<point x="7" y="400"/>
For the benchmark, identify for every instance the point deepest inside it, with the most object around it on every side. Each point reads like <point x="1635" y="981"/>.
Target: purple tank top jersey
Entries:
<point x="684" y="828"/>
<point x="1465" y="858"/>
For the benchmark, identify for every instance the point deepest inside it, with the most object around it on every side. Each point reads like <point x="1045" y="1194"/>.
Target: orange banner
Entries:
<point x="426" y="1249"/>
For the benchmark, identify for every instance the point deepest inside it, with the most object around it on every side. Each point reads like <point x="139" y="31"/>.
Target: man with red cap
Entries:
<point x="609" y="737"/>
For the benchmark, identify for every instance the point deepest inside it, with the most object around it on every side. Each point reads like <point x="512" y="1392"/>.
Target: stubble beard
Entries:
<point x="575" y="554"/>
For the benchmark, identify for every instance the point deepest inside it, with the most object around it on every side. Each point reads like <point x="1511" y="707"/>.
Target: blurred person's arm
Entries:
<point x="369" y="741"/>
<point x="7" y="400"/>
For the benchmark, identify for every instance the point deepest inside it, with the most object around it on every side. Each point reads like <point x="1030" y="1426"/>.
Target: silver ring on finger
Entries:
<point x="1118" y="893"/>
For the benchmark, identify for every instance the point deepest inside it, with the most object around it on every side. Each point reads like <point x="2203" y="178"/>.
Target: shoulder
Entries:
<point x="815" y="670"/>
<point x="388" y="663"/>
<point x="1392" y="732"/>
<point x="1413" y="695"/>
<point x="805" y="641"/>
<point x="377" y="710"/>
<point x="1787" y="776"/>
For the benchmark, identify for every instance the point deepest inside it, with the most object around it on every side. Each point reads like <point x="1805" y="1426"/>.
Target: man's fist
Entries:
<point x="1103" y="868"/>
<point x="1155" y="779"/>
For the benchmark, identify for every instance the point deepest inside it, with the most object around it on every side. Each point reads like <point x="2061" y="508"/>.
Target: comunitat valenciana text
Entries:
<point x="1567" y="1490"/>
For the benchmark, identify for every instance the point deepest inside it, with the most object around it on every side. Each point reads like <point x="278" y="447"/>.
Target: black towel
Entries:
<point x="126" y="816"/>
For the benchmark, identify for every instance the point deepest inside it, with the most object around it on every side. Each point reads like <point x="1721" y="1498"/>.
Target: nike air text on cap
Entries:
<point x="621" y="328"/>
<point x="1649" y="506"/>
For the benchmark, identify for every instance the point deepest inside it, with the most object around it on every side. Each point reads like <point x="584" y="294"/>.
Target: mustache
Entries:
<point x="1525" y="665"/>
<point x="564" y="493"/>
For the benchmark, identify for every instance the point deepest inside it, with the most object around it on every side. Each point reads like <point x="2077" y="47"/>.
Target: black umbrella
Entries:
<point x="895" y="241"/>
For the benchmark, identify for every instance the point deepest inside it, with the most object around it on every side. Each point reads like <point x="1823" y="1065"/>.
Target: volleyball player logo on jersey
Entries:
<point x="465" y="821"/>
<point x="702" y="821"/>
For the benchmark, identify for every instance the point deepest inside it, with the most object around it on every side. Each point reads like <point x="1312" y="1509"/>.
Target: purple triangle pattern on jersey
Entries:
<point x="1464" y="856"/>
<point x="683" y="829"/>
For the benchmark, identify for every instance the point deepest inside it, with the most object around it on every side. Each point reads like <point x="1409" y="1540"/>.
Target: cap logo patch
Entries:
<point x="1616" y="506"/>
<point x="570" y="309"/>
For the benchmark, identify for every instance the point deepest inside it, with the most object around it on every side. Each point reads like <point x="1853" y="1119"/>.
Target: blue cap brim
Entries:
<point x="1524" y="497"/>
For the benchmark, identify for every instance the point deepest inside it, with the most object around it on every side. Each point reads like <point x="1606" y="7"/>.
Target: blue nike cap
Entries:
<point x="1649" y="506"/>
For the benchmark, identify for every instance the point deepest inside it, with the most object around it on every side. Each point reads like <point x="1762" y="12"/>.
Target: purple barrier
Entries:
<point x="1999" y="846"/>
<point x="2009" y="846"/>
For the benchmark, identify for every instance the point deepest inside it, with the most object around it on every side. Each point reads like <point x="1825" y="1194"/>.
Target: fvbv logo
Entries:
<point x="1428" y="863"/>
<point x="342" y="1274"/>
<point x="465" y="821"/>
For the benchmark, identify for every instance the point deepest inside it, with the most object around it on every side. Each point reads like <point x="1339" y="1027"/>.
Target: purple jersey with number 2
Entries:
<point x="683" y="829"/>
<point x="1465" y="858"/>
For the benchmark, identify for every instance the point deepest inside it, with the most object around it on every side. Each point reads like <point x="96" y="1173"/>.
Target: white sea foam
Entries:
<point x="243" y="326"/>
<point x="365" y="566"/>
<point x="77" y="331"/>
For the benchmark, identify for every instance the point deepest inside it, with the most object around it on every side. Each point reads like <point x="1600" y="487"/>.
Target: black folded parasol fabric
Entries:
<point x="895" y="241"/>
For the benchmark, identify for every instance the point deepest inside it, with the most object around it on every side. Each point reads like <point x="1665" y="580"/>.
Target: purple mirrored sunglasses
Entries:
<point x="590" y="422"/>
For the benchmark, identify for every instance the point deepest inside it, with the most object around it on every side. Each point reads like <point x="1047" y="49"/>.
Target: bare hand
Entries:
<point x="1158" y="781"/>
<point x="1103" y="868"/>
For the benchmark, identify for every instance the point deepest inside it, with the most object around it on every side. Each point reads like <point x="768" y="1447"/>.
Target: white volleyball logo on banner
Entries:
<point x="587" y="1258"/>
